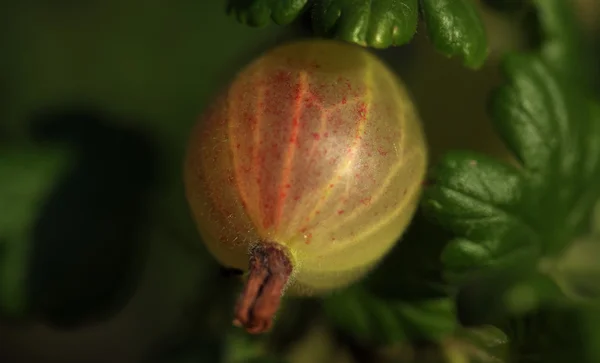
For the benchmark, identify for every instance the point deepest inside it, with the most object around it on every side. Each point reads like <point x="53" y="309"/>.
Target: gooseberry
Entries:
<point x="310" y="166"/>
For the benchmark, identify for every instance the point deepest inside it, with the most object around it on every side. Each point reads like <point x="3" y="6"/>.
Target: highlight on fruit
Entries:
<point x="304" y="172"/>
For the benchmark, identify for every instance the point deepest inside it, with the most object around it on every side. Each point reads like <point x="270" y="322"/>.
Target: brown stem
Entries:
<point x="270" y="270"/>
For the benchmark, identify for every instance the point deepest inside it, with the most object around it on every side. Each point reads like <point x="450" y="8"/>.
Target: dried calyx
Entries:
<point x="269" y="271"/>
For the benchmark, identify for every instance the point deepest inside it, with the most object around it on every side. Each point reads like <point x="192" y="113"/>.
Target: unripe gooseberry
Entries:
<point x="310" y="166"/>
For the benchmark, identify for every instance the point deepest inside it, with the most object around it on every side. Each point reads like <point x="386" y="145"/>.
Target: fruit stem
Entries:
<point x="270" y="269"/>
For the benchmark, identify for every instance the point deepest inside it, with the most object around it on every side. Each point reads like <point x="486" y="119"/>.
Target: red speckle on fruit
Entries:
<point x="308" y="238"/>
<point x="340" y="212"/>
<point x="362" y="110"/>
<point x="316" y="136"/>
<point x="366" y="201"/>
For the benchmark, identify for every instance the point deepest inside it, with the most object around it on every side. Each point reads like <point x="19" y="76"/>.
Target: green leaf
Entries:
<point x="577" y="271"/>
<point x="259" y="13"/>
<point x="485" y="344"/>
<point x="373" y="23"/>
<point x="366" y="316"/>
<point x="27" y="176"/>
<point x="241" y="347"/>
<point x="549" y="335"/>
<point x="477" y="198"/>
<point x="404" y="298"/>
<point x="510" y="216"/>
<point x="563" y="46"/>
<point x="456" y="29"/>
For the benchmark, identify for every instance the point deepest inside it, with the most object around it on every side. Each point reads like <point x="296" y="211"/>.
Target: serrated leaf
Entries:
<point x="456" y="29"/>
<point x="373" y="23"/>
<point x="259" y="13"/>
<point x="386" y="321"/>
<point x="511" y="216"/>
<point x="27" y="176"/>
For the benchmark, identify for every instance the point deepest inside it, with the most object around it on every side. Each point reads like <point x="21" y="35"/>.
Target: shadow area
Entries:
<point x="88" y="242"/>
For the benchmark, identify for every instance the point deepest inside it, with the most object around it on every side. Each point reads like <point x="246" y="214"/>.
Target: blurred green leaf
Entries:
<point x="577" y="270"/>
<point x="373" y="23"/>
<point x="508" y="5"/>
<point x="563" y="46"/>
<point x="295" y="318"/>
<point x="508" y="217"/>
<point x="259" y="13"/>
<point x="488" y="337"/>
<point x="404" y="298"/>
<point x="456" y="29"/>
<point x="361" y="314"/>
<point x="486" y="344"/>
<point x="549" y="335"/>
<point x="27" y="176"/>
<point x="241" y="347"/>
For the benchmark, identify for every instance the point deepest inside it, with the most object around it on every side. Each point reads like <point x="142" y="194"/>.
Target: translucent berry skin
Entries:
<point x="315" y="146"/>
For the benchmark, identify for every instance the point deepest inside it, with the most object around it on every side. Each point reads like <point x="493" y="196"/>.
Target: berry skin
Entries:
<point x="305" y="171"/>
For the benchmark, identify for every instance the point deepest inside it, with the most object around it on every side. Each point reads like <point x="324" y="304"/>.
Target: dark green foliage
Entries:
<point x="261" y="13"/>
<point x="454" y="27"/>
<point x="377" y="24"/>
